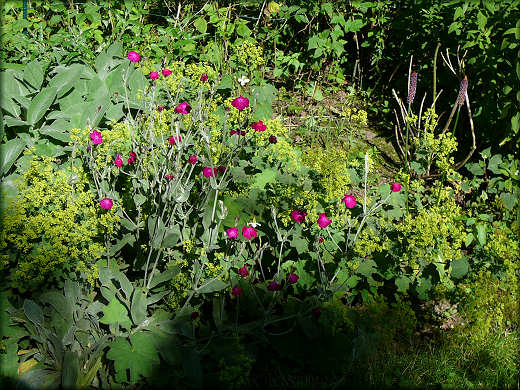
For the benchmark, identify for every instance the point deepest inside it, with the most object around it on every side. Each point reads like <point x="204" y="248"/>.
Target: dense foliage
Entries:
<point x="163" y="225"/>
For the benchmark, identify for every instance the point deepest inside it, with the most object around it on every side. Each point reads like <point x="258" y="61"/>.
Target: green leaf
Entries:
<point x="33" y="74"/>
<point x="65" y="78"/>
<point x="300" y="244"/>
<point x="114" y="313"/>
<point x="33" y="312"/>
<point x="494" y="162"/>
<point x="481" y="20"/>
<point x="70" y="371"/>
<point x="138" y="356"/>
<point x="10" y="106"/>
<point x="469" y="239"/>
<point x="40" y="104"/>
<point x="138" y="308"/>
<point x="481" y="233"/>
<point x="139" y="199"/>
<point x="114" y="112"/>
<point x="508" y="199"/>
<point x="9" y="359"/>
<point x="243" y="30"/>
<point x="402" y="283"/>
<point x="263" y="178"/>
<point x="459" y="268"/>
<point x="9" y="153"/>
<point x="201" y="25"/>
<point x="212" y="286"/>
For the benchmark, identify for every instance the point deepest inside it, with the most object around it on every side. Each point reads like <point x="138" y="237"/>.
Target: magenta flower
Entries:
<point x="320" y="240"/>
<point x="207" y="172"/>
<point x="273" y="286"/>
<point x="204" y="77"/>
<point x="96" y="138"/>
<point x="160" y="108"/>
<point x="292" y="278"/>
<point x="232" y="232"/>
<point x="183" y="108"/>
<point x="323" y="221"/>
<point x="106" y="203"/>
<point x="194" y="316"/>
<point x="350" y="201"/>
<point x="396" y="187"/>
<point x="240" y="103"/>
<point x="259" y="126"/>
<point x="118" y="162"/>
<point x="192" y="159"/>
<point x="174" y="140"/>
<point x="249" y="232"/>
<point x="243" y="271"/>
<point x="132" y="158"/>
<point x="166" y="72"/>
<point x="298" y="216"/>
<point x="273" y="139"/>
<point x="133" y="56"/>
<point x="221" y="169"/>
<point x="236" y="291"/>
<point x="154" y="75"/>
<point x="169" y="176"/>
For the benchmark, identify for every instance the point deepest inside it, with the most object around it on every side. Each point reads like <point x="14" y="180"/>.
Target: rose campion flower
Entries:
<point x="96" y="138"/>
<point x="154" y="75"/>
<point x="183" y="108"/>
<point x="298" y="216"/>
<point x="323" y="221"/>
<point x="236" y="291"/>
<point x="240" y="103"/>
<point x="166" y="72"/>
<point x="207" y="172"/>
<point x="160" y="108"/>
<point x="106" y="203"/>
<point x="273" y="139"/>
<point x="350" y="201"/>
<point x="221" y="169"/>
<point x="169" y="176"/>
<point x="396" y="187"/>
<point x="232" y="232"/>
<point x="118" y="162"/>
<point x="243" y="271"/>
<point x="273" y="286"/>
<point x="259" y="126"/>
<point x="292" y="278"/>
<point x="132" y="158"/>
<point x="249" y="232"/>
<point x="174" y="140"/>
<point x="134" y="56"/>
<point x="320" y="240"/>
<point x="204" y="77"/>
<point x="192" y="159"/>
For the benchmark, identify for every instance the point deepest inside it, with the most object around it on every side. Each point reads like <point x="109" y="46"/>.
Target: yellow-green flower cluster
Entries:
<point x="51" y="224"/>
<point x="435" y="234"/>
<point x="249" y="54"/>
<point x="116" y="140"/>
<point x="332" y="164"/>
<point x="357" y="116"/>
<point x="195" y="71"/>
<point x="282" y="151"/>
<point x="503" y="245"/>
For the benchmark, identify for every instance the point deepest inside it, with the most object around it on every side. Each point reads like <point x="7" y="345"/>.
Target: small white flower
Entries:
<point x="253" y="224"/>
<point x="243" y="80"/>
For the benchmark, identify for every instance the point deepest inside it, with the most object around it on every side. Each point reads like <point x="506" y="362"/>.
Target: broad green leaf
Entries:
<point x="139" y="200"/>
<point x="10" y="106"/>
<point x="138" y="308"/>
<point x="14" y="122"/>
<point x="33" y="312"/>
<point x="494" y="162"/>
<point x="300" y="244"/>
<point x="481" y="233"/>
<point x="402" y="283"/>
<point x="459" y="268"/>
<point x="469" y="239"/>
<point x="263" y="178"/>
<point x="62" y="305"/>
<point x="201" y="25"/>
<point x="114" y="313"/>
<point x="508" y="199"/>
<point x="481" y="20"/>
<point x="243" y="30"/>
<point x="40" y="104"/>
<point x="166" y="275"/>
<point x="138" y="356"/>
<point x="9" y="153"/>
<point x="114" y="112"/>
<point x="212" y="286"/>
<point x="57" y="130"/>
<point x="33" y="74"/>
<point x="9" y="359"/>
<point x="66" y="77"/>
<point x="171" y="237"/>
